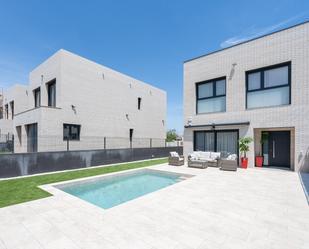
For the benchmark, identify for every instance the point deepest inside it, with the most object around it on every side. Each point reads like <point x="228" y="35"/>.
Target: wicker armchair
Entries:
<point x="229" y="163"/>
<point x="175" y="160"/>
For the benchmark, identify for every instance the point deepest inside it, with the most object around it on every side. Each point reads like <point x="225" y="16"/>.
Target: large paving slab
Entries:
<point x="253" y="208"/>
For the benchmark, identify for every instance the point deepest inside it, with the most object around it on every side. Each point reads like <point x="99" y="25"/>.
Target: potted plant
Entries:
<point x="259" y="159"/>
<point x="244" y="148"/>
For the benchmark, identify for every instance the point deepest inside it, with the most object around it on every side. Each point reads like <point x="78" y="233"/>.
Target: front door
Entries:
<point x="32" y="138"/>
<point x="279" y="148"/>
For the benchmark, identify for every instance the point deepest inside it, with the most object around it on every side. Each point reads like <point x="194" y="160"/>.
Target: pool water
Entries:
<point x="107" y="192"/>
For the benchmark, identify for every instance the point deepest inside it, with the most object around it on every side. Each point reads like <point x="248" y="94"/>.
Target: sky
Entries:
<point x="148" y="40"/>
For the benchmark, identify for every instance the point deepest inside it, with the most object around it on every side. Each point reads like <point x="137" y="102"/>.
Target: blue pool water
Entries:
<point x="114" y="190"/>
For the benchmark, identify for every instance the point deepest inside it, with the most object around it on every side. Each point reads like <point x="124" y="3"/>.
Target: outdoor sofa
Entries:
<point x="203" y="159"/>
<point x="175" y="160"/>
<point x="229" y="163"/>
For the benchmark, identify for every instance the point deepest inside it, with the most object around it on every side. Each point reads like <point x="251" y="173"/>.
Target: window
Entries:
<point x="37" y="97"/>
<point x="131" y="134"/>
<point x="224" y="141"/>
<point x="51" y="91"/>
<point x="270" y="86"/>
<point x="6" y="111"/>
<point x="211" y="96"/>
<point x="18" y="131"/>
<point x="71" y="132"/>
<point x="139" y="102"/>
<point x="12" y="109"/>
<point x="32" y="137"/>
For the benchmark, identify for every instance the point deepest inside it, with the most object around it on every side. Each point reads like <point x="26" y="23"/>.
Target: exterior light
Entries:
<point x="189" y="121"/>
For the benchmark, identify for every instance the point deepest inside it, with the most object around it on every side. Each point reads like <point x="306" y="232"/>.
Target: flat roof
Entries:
<point x="259" y="37"/>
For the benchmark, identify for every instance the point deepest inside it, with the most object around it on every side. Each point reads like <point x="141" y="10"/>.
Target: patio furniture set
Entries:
<point x="204" y="159"/>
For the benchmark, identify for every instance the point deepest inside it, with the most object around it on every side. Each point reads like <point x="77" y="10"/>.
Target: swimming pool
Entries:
<point x="107" y="192"/>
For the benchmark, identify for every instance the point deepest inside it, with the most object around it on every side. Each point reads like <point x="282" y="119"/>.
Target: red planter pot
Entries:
<point x="259" y="161"/>
<point x="244" y="162"/>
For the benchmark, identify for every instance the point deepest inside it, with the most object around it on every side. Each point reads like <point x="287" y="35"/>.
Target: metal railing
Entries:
<point x="6" y="143"/>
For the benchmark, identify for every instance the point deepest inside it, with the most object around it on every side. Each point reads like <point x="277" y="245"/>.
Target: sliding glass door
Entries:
<point x="225" y="141"/>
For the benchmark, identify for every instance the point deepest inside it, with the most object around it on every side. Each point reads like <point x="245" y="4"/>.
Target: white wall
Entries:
<point x="101" y="103"/>
<point x="288" y="45"/>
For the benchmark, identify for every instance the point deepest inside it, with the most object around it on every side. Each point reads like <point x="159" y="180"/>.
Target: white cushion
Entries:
<point x="174" y="154"/>
<point x="215" y="155"/>
<point x="232" y="157"/>
<point x="204" y="155"/>
<point x="193" y="156"/>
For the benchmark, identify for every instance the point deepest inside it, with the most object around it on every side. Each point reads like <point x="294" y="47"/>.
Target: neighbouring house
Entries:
<point x="13" y="101"/>
<point x="258" y="88"/>
<point x="70" y="98"/>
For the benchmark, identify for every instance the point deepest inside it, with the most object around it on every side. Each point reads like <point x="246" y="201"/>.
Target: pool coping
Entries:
<point x="55" y="191"/>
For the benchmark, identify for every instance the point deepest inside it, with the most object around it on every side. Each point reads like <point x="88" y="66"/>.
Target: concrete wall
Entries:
<point x="288" y="45"/>
<point x="105" y="103"/>
<point x="31" y="163"/>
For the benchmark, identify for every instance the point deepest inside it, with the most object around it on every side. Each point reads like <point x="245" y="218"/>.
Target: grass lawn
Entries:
<point x="26" y="189"/>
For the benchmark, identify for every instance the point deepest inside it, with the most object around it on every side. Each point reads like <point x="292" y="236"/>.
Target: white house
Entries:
<point x="73" y="99"/>
<point x="257" y="87"/>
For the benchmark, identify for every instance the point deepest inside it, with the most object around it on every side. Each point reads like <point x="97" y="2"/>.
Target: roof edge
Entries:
<point x="250" y="40"/>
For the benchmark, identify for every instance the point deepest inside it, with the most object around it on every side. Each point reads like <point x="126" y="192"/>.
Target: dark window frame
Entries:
<point x="12" y="106"/>
<point x="262" y="81"/>
<point x="131" y="132"/>
<point x="70" y="136"/>
<point x="49" y="84"/>
<point x="214" y="94"/>
<point x="215" y="138"/>
<point x="6" y="111"/>
<point x="35" y="92"/>
<point x="139" y="103"/>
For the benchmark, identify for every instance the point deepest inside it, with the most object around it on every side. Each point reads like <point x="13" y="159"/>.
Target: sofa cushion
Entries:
<point x="174" y="154"/>
<point x="215" y="155"/>
<point x="194" y="156"/>
<point x="204" y="155"/>
<point x="232" y="157"/>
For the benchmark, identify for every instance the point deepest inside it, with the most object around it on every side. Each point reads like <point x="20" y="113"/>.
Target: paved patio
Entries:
<point x="254" y="208"/>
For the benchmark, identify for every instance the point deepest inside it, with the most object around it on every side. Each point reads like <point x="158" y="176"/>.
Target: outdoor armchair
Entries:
<point x="229" y="163"/>
<point x="175" y="160"/>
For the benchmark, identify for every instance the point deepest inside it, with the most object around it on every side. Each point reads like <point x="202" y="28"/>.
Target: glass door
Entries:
<point x="224" y="141"/>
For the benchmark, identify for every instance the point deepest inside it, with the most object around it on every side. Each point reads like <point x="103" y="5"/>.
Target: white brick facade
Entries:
<point x="288" y="45"/>
<point x="103" y="101"/>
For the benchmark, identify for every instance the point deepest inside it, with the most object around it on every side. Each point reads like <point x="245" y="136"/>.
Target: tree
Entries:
<point x="244" y="145"/>
<point x="171" y="135"/>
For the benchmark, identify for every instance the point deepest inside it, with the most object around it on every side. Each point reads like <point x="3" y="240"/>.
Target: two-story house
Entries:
<point x="71" y="98"/>
<point x="258" y="88"/>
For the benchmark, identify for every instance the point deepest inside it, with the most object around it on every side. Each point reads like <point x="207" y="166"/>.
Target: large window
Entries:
<point x="12" y="109"/>
<point x="51" y="92"/>
<point x="270" y="86"/>
<point x="224" y="141"/>
<point x="210" y="96"/>
<point x="37" y="97"/>
<point x="71" y="132"/>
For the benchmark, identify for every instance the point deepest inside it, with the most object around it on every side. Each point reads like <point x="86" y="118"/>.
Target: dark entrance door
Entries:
<point x="32" y="138"/>
<point x="279" y="148"/>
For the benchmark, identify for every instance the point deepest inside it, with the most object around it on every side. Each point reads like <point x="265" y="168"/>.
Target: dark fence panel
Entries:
<point x="32" y="163"/>
<point x="6" y="143"/>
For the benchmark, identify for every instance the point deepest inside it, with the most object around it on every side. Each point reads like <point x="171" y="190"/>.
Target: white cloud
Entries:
<point x="254" y="32"/>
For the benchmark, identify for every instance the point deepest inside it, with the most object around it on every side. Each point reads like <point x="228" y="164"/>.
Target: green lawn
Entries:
<point x="26" y="189"/>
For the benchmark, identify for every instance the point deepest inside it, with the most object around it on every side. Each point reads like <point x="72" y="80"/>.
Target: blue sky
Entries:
<point x="148" y="40"/>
